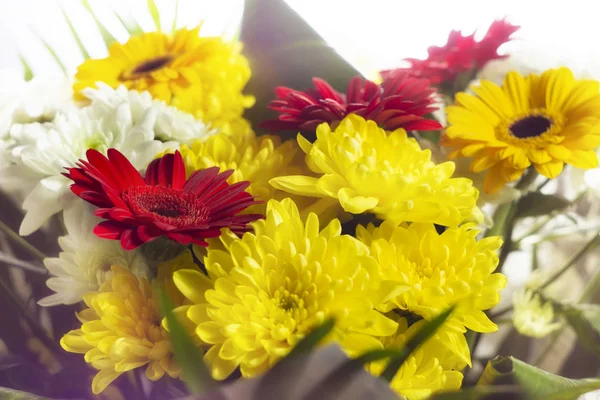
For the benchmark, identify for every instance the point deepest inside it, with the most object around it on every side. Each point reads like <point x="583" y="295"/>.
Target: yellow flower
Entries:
<point x="204" y="76"/>
<point x="121" y="331"/>
<point x="271" y="287"/>
<point x="544" y="121"/>
<point x="429" y="369"/>
<point x="442" y="270"/>
<point x="370" y="170"/>
<point x="257" y="160"/>
<point x="532" y="317"/>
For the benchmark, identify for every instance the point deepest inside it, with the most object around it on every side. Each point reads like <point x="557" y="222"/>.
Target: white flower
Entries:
<point x="171" y="123"/>
<point x="531" y="316"/>
<point x="41" y="152"/>
<point x="85" y="261"/>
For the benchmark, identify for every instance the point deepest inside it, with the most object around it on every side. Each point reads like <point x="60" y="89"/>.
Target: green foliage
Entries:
<point x="585" y="321"/>
<point x="155" y="14"/>
<point x="75" y="34"/>
<point x="107" y="37"/>
<point x="534" y="382"/>
<point x="11" y="394"/>
<point x="196" y="374"/>
<point x="284" y="50"/>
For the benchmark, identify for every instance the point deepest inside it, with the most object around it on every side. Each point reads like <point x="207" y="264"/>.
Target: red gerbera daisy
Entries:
<point x="399" y="102"/>
<point x="460" y="54"/>
<point x="163" y="203"/>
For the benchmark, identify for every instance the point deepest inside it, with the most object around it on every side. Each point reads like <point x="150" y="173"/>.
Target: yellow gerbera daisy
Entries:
<point x="442" y="270"/>
<point x="544" y="121"/>
<point x="271" y="287"/>
<point x="204" y="76"/>
<point x="370" y="170"/>
<point x="256" y="160"/>
<point x="429" y="369"/>
<point x="121" y="330"/>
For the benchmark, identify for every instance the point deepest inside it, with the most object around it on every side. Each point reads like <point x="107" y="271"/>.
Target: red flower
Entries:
<point x="163" y="203"/>
<point x="399" y="102"/>
<point x="460" y="54"/>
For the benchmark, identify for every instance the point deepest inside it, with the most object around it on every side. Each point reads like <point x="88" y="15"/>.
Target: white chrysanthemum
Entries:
<point x="171" y="123"/>
<point x="533" y="317"/>
<point x="38" y="100"/>
<point x="85" y="261"/>
<point x="42" y="151"/>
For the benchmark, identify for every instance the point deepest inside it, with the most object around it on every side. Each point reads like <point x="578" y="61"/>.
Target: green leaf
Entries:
<point x="175" y="16"/>
<point x="130" y="24"/>
<point x="75" y="34"/>
<point x="482" y="392"/>
<point x="11" y="394"/>
<point x="107" y="37"/>
<point x="51" y="51"/>
<point x="535" y="204"/>
<point x="414" y="343"/>
<point x="537" y="384"/>
<point x="283" y="50"/>
<point x="27" y="72"/>
<point x="311" y="340"/>
<point x="196" y="374"/>
<point x="585" y="321"/>
<point x="155" y="14"/>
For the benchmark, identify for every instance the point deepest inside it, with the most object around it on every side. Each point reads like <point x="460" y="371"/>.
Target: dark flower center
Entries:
<point x="531" y="126"/>
<point x="165" y="204"/>
<point x="152" y="65"/>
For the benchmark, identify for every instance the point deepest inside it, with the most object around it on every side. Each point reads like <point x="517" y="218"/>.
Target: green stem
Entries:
<point x="591" y="243"/>
<point x="12" y="235"/>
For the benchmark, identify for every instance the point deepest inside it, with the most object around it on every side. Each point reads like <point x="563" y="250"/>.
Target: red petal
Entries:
<point x="109" y="230"/>
<point x="126" y="170"/>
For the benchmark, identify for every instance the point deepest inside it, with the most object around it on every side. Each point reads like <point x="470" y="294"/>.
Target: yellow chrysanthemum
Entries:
<point x="121" y="330"/>
<point x="204" y="76"/>
<point x="544" y="121"/>
<point x="429" y="369"/>
<point x="533" y="317"/>
<point x="256" y="160"/>
<point x="442" y="270"/>
<point x="271" y="287"/>
<point x="370" y="170"/>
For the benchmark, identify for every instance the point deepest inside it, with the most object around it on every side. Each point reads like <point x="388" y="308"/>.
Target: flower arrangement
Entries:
<point x="230" y="226"/>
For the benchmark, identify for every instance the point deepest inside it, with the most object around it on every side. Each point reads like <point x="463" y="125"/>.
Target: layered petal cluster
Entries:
<point x="532" y="316"/>
<point x="542" y="121"/>
<point x="460" y="54"/>
<point x="138" y="210"/>
<point x="401" y="101"/>
<point x="121" y="330"/>
<point x="203" y="76"/>
<point x="84" y="263"/>
<point x="267" y="290"/>
<point x="171" y="123"/>
<point x="429" y="369"/>
<point x="256" y="160"/>
<point x="39" y="153"/>
<point x="442" y="270"/>
<point x="370" y="170"/>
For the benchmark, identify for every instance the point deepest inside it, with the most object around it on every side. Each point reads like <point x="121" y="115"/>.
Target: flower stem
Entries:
<point x="12" y="235"/>
<point x="22" y="264"/>
<point x="591" y="243"/>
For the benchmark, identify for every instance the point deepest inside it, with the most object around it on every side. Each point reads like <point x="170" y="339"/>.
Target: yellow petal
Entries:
<point x="355" y="204"/>
<point x="297" y="184"/>
<point x="192" y="284"/>
<point x="583" y="159"/>
<point x="550" y="169"/>
<point x="102" y="379"/>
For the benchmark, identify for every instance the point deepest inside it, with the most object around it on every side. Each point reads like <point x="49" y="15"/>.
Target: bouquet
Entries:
<point x="251" y="218"/>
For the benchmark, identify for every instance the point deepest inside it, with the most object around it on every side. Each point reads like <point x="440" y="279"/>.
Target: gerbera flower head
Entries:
<point x="460" y="54"/>
<point x="542" y="120"/>
<point x="268" y="289"/>
<point x="203" y="76"/>
<point x="442" y="270"/>
<point x="164" y="203"/>
<point x="429" y="369"/>
<point x="121" y="330"/>
<point x="370" y="170"/>
<point x="532" y="316"/>
<point x="398" y="102"/>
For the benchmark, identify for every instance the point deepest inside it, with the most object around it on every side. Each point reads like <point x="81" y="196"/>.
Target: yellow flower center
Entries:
<point x="534" y="128"/>
<point x="146" y="67"/>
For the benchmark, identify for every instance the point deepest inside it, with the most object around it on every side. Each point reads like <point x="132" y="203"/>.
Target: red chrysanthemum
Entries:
<point x="460" y="54"/>
<point x="163" y="203"/>
<point x="399" y="102"/>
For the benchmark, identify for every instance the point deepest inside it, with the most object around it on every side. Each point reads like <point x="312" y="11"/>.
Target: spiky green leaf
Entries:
<point x="75" y="34"/>
<point x="107" y="37"/>
<point x="27" y="72"/>
<point x="153" y="9"/>
<point x="51" y="51"/>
